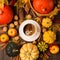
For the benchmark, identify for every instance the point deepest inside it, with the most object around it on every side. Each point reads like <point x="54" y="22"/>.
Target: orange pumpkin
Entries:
<point x="43" y="6"/>
<point x="6" y="14"/>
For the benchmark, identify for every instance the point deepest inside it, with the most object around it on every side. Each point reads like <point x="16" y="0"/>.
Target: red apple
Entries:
<point x="4" y="38"/>
<point x="12" y="32"/>
<point x="54" y="49"/>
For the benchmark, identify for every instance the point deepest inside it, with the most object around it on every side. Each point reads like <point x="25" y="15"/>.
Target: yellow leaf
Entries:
<point x="1" y="3"/>
<point x="6" y="2"/>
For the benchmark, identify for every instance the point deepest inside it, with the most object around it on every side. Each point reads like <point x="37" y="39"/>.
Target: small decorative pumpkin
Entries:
<point x="49" y="37"/>
<point x="6" y="15"/>
<point x="43" y="6"/>
<point x="46" y="22"/>
<point x="12" y="49"/>
<point x="42" y="46"/>
<point x="29" y="52"/>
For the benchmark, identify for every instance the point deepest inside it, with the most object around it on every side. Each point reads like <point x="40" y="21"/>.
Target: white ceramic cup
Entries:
<point x="32" y="37"/>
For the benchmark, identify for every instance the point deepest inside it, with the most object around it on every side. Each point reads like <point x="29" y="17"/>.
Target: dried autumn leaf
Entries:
<point x="27" y="7"/>
<point x="6" y="2"/>
<point x="24" y="1"/>
<point x="2" y="46"/>
<point x="21" y="15"/>
<point x="1" y="31"/>
<point x="3" y="25"/>
<point x="56" y="27"/>
<point x="32" y="13"/>
<point x="1" y="3"/>
<point x="55" y="11"/>
<point x="19" y="57"/>
<point x="3" y="28"/>
<point x="16" y="58"/>
<point x="19" y="4"/>
<point x="45" y="57"/>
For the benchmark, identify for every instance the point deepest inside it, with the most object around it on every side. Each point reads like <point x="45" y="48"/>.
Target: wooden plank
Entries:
<point x="1" y="55"/>
<point x="6" y="57"/>
<point x="55" y="57"/>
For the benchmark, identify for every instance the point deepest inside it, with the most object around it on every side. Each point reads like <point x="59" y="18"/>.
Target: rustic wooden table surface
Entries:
<point x="3" y="55"/>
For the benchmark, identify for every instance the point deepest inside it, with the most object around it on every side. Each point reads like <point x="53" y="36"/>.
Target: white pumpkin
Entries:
<point x="29" y="51"/>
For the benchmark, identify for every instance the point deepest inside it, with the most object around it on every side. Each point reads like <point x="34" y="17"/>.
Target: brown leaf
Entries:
<point x="1" y="31"/>
<point x="45" y="57"/>
<point x="19" y="58"/>
<point x="21" y="15"/>
<point x="1" y="3"/>
<point x="27" y="7"/>
<point x="2" y="44"/>
<point x="14" y="58"/>
<point x="3" y="47"/>
<point x="56" y="27"/>
<point x="3" y="25"/>
<point x="32" y="13"/>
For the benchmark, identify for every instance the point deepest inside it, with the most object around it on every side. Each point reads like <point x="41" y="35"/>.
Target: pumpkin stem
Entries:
<point x="14" y="50"/>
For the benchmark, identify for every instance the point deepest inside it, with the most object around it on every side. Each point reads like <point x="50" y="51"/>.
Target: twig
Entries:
<point x="2" y="44"/>
<point x="27" y="7"/>
<point x="3" y="25"/>
<point x="14" y="58"/>
<point x="33" y="14"/>
<point x="3" y="47"/>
